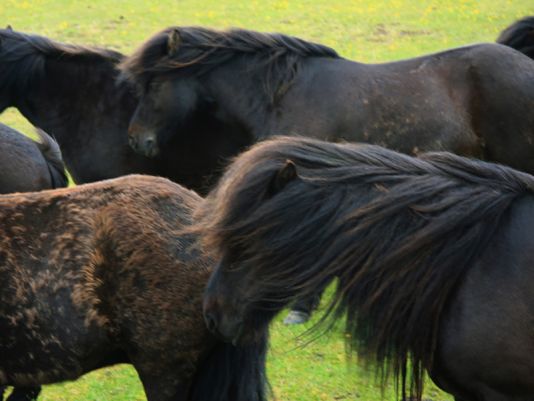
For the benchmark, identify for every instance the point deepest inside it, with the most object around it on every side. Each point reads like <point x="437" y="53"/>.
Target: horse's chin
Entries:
<point x="152" y="153"/>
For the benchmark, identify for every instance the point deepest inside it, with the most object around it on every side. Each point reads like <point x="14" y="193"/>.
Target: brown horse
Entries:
<point x="434" y="257"/>
<point x="101" y="274"/>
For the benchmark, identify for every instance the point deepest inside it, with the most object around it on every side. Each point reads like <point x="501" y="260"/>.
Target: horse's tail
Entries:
<point x="519" y="36"/>
<point x="52" y="153"/>
<point x="231" y="373"/>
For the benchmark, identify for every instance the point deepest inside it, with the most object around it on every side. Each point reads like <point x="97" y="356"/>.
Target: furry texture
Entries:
<point x="102" y="273"/>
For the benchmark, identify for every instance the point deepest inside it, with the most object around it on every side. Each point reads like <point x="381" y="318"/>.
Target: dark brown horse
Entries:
<point x="27" y="165"/>
<point x="101" y="274"/>
<point x="474" y="101"/>
<point x="73" y="93"/>
<point x="434" y="258"/>
<point x="520" y="36"/>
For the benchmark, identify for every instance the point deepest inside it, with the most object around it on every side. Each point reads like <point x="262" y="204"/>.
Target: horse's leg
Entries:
<point x="303" y="308"/>
<point x="164" y="387"/>
<point x="24" y="394"/>
<point x="2" y="391"/>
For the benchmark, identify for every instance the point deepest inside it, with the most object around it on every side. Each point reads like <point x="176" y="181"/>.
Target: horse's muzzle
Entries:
<point x="227" y="328"/>
<point x="146" y="144"/>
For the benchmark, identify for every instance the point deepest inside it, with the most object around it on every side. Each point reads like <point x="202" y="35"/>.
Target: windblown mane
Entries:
<point x="23" y="57"/>
<point x="201" y="50"/>
<point x="520" y="36"/>
<point x="399" y="232"/>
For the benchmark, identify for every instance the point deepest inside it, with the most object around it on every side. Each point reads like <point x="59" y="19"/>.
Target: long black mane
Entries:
<point x="520" y="36"/>
<point x="23" y="58"/>
<point x="399" y="232"/>
<point x="200" y="50"/>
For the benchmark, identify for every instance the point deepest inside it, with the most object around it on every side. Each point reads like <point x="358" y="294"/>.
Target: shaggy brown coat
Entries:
<point x="100" y="274"/>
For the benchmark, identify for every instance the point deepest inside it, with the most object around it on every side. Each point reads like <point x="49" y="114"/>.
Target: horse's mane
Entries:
<point x="399" y="232"/>
<point x="520" y="36"/>
<point x="201" y="49"/>
<point x="23" y="57"/>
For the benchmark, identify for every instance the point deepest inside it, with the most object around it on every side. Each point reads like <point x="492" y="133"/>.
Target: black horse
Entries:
<point x="26" y="165"/>
<point x="474" y="101"/>
<point x="520" y="36"/>
<point x="104" y="273"/>
<point x="73" y="93"/>
<point x="434" y="258"/>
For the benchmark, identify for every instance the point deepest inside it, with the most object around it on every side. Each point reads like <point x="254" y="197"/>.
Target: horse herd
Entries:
<point x="431" y="251"/>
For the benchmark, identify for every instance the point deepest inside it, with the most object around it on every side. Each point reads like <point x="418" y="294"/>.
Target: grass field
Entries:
<point x="364" y="30"/>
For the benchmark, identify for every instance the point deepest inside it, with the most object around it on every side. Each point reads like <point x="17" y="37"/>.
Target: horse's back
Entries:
<point x="474" y="101"/>
<point x="486" y="336"/>
<point x="23" y="166"/>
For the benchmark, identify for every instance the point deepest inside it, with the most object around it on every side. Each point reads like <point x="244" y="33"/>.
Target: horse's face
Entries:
<point x="238" y="304"/>
<point x="229" y="312"/>
<point x="164" y="105"/>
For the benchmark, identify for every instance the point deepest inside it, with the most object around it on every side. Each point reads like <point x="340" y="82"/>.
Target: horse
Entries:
<point x="520" y="36"/>
<point x="76" y="94"/>
<point x="433" y="256"/>
<point x="101" y="274"/>
<point x="29" y="165"/>
<point x="474" y="101"/>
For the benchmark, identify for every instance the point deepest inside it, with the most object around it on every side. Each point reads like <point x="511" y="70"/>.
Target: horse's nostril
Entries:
<point x="211" y="321"/>
<point x="149" y="143"/>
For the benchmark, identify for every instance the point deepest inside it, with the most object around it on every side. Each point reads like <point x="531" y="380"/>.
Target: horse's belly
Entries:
<point x="44" y="337"/>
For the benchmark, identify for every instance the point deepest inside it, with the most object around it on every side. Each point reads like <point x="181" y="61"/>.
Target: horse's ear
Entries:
<point x="9" y="27"/>
<point x="173" y="42"/>
<point x="286" y="174"/>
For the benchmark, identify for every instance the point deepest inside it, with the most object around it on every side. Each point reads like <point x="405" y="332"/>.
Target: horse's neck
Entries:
<point x="72" y="98"/>
<point x="312" y="99"/>
<point x="321" y="97"/>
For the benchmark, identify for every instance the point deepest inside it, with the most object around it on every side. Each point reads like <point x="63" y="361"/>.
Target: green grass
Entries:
<point x="365" y="30"/>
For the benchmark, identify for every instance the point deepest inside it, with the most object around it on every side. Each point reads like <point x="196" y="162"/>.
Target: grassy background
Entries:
<point x="365" y="30"/>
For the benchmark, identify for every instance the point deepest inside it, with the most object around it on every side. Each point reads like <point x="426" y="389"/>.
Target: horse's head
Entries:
<point x="165" y="106"/>
<point x="240" y="299"/>
<point x="169" y="100"/>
